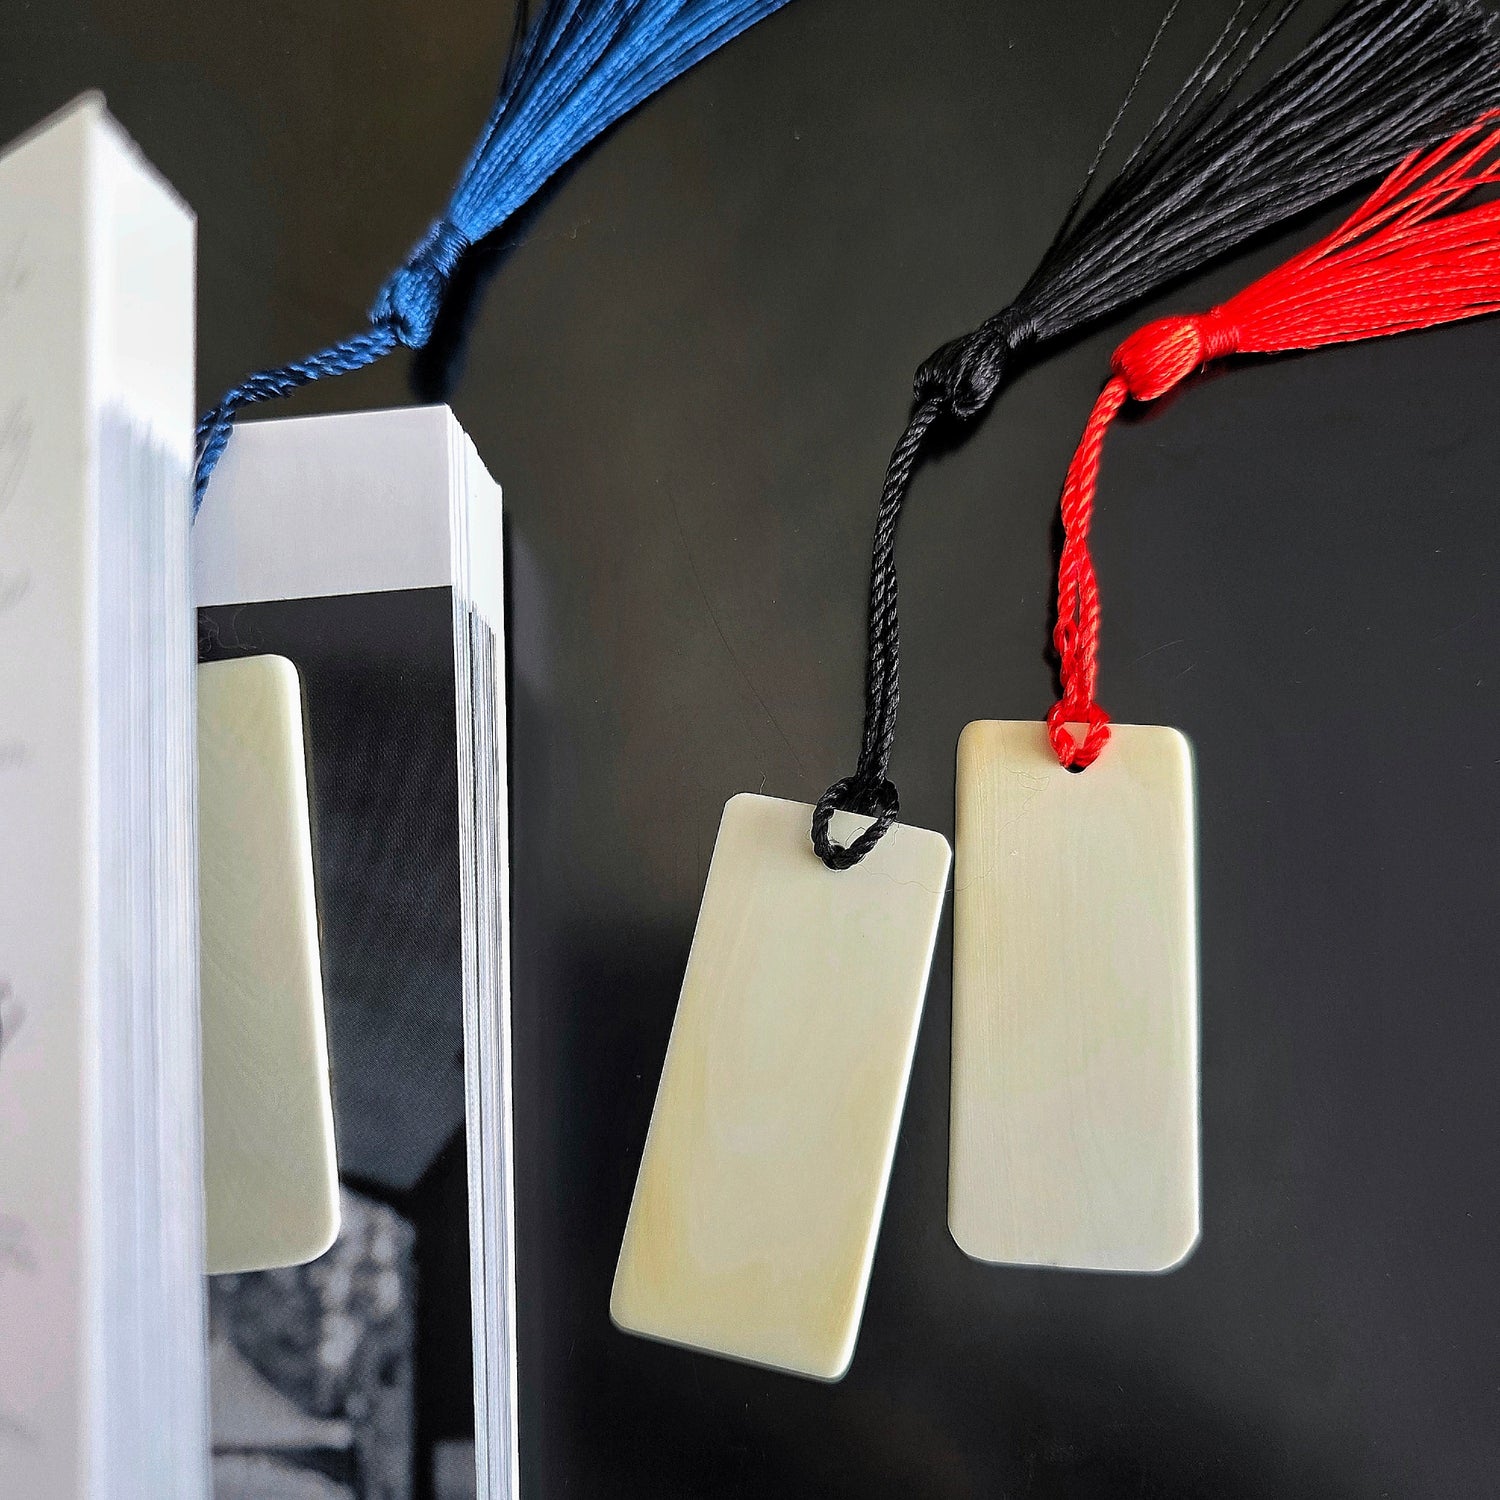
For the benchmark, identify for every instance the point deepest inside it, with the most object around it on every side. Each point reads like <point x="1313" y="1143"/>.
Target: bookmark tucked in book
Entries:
<point x="270" y="1172"/>
<point x="102" y="1377"/>
<point x="350" y="568"/>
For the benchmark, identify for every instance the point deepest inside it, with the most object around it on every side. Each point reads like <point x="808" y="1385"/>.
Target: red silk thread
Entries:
<point x="1403" y="260"/>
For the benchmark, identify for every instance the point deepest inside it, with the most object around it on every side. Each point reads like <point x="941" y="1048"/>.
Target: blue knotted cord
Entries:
<point x="572" y="73"/>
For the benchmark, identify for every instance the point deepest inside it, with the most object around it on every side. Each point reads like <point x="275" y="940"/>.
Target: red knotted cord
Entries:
<point x="1403" y="261"/>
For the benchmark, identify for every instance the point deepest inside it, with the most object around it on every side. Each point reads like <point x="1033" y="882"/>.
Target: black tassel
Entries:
<point x="1221" y="165"/>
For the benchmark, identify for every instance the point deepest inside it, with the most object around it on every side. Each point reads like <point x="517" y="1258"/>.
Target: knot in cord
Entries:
<point x="963" y="376"/>
<point x="409" y="301"/>
<point x="875" y="799"/>
<point x="868" y="790"/>
<point x="1161" y="355"/>
<point x="1095" y="721"/>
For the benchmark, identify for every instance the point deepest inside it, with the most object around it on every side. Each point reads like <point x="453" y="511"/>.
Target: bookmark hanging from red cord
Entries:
<point x="1074" y="1134"/>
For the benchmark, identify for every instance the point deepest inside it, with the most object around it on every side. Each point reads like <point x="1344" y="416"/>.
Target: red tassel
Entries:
<point x="1403" y="261"/>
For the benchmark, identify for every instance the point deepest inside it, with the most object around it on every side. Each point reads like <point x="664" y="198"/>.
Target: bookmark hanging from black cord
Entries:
<point x="574" y="71"/>
<point x="753" y="1225"/>
<point x="1074" y="1125"/>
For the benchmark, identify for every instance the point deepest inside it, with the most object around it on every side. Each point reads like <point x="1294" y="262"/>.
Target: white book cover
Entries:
<point x="101" y="1332"/>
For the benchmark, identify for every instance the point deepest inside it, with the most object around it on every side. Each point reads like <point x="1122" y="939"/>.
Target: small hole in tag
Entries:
<point x="1079" y="731"/>
<point x="270" y="1162"/>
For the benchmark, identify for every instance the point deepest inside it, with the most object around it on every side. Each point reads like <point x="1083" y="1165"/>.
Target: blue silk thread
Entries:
<point x="573" y="72"/>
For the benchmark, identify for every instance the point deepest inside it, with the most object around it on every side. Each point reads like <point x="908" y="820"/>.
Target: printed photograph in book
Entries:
<point x="350" y="1377"/>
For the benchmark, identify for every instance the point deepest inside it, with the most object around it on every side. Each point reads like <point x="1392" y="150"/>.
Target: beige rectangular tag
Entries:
<point x="760" y="1192"/>
<point x="1074" y="1128"/>
<point x="270" y="1174"/>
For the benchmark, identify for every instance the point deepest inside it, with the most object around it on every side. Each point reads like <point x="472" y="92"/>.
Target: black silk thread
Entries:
<point x="1219" y="166"/>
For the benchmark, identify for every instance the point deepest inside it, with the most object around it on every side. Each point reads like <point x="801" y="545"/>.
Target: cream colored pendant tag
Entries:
<point x="1074" y="1128"/>
<point x="269" y="1169"/>
<point x="760" y="1192"/>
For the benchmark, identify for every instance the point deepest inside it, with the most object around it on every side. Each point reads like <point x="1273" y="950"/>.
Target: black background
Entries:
<point x="687" y="376"/>
<point x="377" y="687"/>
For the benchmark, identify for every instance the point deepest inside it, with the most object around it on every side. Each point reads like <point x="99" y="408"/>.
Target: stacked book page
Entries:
<point x="102" y="1382"/>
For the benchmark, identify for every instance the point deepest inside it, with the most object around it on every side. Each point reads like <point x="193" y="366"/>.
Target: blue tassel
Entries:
<point x="573" y="72"/>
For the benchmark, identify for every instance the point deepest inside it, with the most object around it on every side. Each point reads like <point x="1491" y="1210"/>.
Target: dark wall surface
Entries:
<point x="687" y="374"/>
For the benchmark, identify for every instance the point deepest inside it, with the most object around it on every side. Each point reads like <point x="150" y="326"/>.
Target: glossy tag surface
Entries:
<point x="753" y="1225"/>
<point x="269" y="1166"/>
<point x="1074" y="1125"/>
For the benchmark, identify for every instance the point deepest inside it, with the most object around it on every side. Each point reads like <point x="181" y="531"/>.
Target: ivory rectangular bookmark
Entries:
<point x="270" y="1172"/>
<point x="1074" y="1132"/>
<point x="759" y="1197"/>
